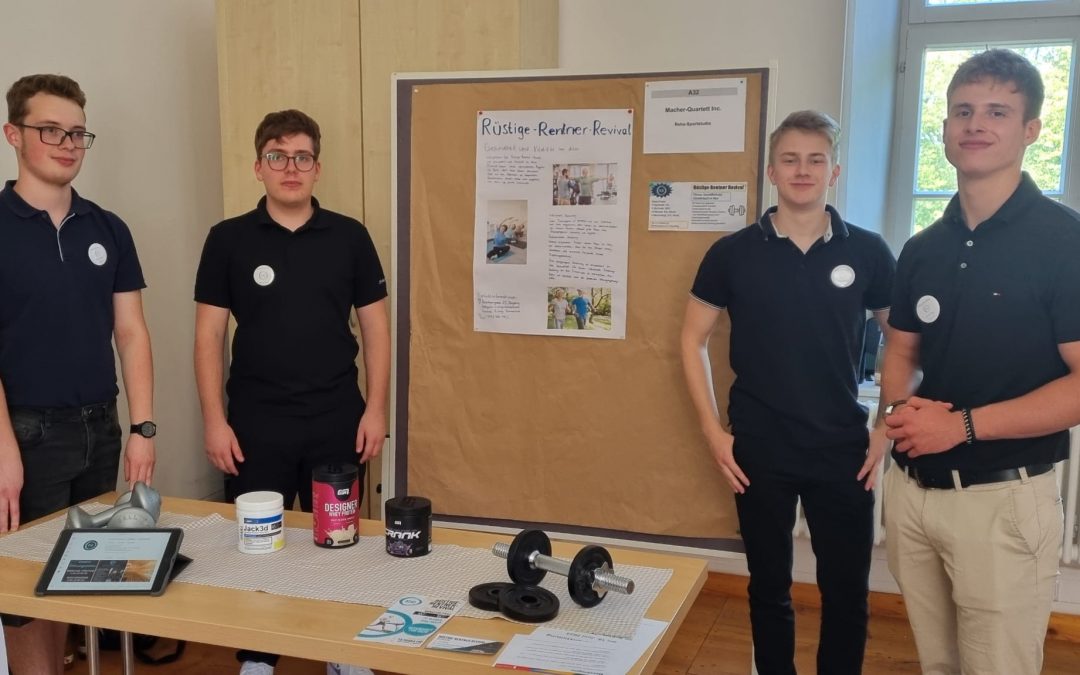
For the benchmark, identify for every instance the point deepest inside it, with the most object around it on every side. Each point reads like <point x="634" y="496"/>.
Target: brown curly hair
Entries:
<point x="29" y="86"/>
<point x="286" y="123"/>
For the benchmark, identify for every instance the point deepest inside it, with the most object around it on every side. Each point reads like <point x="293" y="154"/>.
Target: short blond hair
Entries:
<point x="810" y="121"/>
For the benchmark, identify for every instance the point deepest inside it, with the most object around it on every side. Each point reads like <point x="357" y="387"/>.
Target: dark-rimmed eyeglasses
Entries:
<point x="279" y="161"/>
<point x="55" y="135"/>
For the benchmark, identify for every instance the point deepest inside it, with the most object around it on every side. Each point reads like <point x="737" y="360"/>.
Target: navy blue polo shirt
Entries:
<point x="56" y="301"/>
<point x="797" y="324"/>
<point x="991" y="306"/>
<point x="291" y="294"/>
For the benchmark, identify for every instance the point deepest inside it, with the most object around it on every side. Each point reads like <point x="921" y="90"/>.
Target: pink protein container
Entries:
<point x="335" y="505"/>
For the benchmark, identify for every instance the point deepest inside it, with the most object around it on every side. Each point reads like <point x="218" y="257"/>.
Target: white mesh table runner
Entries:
<point x="36" y="543"/>
<point x="364" y="573"/>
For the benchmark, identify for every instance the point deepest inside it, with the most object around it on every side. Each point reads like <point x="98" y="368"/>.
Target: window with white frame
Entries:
<point x="940" y="34"/>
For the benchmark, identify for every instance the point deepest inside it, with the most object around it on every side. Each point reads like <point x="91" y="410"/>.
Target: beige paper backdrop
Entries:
<point x="589" y="433"/>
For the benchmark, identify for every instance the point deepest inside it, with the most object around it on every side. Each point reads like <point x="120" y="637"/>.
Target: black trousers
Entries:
<point x="840" y="515"/>
<point x="69" y="455"/>
<point x="280" y="452"/>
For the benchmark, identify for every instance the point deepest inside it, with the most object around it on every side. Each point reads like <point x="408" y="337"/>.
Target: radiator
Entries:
<point x="1068" y="475"/>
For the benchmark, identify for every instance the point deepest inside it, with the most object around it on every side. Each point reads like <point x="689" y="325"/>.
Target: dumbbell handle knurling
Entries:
<point x="601" y="579"/>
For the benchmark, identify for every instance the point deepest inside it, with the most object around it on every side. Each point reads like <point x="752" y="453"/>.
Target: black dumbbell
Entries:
<point x="589" y="576"/>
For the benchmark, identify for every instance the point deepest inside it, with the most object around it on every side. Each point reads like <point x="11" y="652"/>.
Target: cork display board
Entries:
<point x="573" y="435"/>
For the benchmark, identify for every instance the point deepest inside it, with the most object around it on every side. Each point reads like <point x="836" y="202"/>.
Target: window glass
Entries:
<point x="945" y="3"/>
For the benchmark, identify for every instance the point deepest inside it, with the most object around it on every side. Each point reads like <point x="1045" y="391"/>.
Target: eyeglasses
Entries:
<point x="279" y="161"/>
<point x="55" y="136"/>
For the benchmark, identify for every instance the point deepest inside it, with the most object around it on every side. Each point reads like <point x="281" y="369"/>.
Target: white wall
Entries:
<point x="805" y="38"/>
<point x="807" y="41"/>
<point x="149" y="70"/>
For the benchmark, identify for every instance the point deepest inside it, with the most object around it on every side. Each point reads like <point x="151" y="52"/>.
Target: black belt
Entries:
<point x="73" y="414"/>
<point x="942" y="479"/>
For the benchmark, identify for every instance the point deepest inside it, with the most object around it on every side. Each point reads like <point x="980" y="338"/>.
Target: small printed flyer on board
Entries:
<point x="697" y="206"/>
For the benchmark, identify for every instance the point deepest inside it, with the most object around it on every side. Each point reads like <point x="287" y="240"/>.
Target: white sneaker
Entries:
<point x="256" y="668"/>
<point x="346" y="669"/>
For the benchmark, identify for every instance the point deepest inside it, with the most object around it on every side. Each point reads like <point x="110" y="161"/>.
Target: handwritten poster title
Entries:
<point x="490" y="126"/>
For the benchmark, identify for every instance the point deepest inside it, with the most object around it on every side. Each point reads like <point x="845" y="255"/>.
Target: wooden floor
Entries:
<point x="714" y="640"/>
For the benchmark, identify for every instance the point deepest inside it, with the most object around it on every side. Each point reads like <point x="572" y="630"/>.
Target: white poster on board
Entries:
<point x="552" y="222"/>
<point x="695" y="116"/>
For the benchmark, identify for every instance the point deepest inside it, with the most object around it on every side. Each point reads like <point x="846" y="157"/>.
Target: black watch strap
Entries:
<point x="145" y="429"/>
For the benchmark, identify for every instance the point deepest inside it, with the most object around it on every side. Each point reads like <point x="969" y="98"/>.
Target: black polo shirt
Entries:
<point x="291" y="294"/>
<point x="991" y="306"/>
<point x="56" y="301"/>
<point x="797" y="323"/>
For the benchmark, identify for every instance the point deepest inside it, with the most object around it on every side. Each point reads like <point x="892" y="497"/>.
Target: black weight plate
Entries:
<point x="486" y="596"/>
<point x="580" y="579"/>
<point x="530" y="604"/>
<point x="517" y="560"/>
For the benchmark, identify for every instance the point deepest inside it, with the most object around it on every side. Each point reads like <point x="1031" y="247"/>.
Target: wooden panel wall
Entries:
<point x="439" y="36"/>
<point x="333" y="59"/>
<point x="277" y="54"/>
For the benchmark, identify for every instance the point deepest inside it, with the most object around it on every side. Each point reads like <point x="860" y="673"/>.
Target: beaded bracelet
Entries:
<point x="969" y="427"/>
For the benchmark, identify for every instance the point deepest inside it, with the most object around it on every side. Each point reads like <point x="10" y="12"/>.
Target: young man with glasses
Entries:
<point x="796" y="287"/>
<point x="290" y="273"/>
<point x="987" y="306"/>
<point x="70" y="283"/>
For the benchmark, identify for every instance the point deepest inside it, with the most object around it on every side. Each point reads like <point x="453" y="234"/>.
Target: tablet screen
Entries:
<point x="110" y="561"/>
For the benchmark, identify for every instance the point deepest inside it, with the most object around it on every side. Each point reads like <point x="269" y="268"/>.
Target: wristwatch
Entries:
<point x="895" y="405"/>
<point x="145" y="429"/>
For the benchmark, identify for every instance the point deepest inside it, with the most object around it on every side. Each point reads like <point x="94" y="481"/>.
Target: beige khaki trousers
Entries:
<point x="977" y="567"/>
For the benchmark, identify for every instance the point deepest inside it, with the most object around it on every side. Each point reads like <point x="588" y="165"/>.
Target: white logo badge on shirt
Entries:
<point x="264" y="275"/>
<point x="842" y="276"/>
<point x="928" y="309"/>
<point x="98" y="254"/>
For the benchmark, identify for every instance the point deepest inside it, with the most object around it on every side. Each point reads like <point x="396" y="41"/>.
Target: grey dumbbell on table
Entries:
<point x="590" y="575"/>
<point x="139" y="508"/>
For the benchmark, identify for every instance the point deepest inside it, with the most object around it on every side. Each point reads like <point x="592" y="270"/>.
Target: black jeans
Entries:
<point x="840" y="515"/>
<point x="69" y="455"/>
<point x="280" y="452"/>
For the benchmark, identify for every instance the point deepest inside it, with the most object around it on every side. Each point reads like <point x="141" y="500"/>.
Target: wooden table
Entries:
<point x="313" y="629"/>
